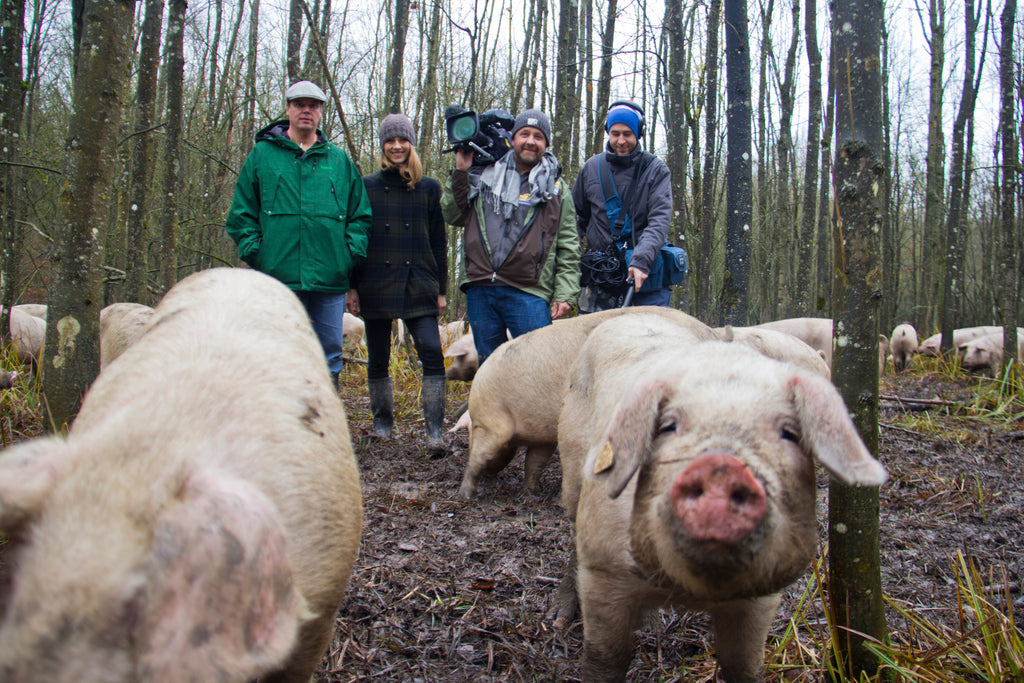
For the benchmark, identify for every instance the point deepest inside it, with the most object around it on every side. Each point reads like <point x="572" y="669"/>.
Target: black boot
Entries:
<point x="382" y="405"/>
<point x="433" y="411"/>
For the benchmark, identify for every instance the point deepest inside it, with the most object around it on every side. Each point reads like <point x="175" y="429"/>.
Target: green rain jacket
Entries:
<point x="301" y="217"/>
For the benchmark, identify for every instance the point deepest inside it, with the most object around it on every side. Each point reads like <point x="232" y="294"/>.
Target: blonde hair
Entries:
<point x="411" y="170"/>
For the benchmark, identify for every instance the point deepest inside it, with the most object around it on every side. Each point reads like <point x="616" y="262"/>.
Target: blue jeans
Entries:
<point x="492" y="310"/>
<point x="327" y="313"/>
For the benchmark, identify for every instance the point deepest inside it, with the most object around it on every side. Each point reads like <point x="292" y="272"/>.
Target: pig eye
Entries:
<point x="788" y="434"/>
<point x="667" y="427"/>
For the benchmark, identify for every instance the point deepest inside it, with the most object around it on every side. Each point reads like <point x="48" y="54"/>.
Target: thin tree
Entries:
<point x="805" y="242"/>
<point x="935" y="163"/>
<point x="708" y="213"/>
<point x="137" y="234"/>
<point x="430" y="84"/>
<point x="12" y="104"/>
<point x="823" y="280"/>
<point x="71" y="351"/>
<point x="738" y="164"/>
<point x="566" y="101"/>
<point x="393" y="80"/>
<point x="952" y="281"/>
<point x="1006" y="269"/>
<point x="604" y="80"/>
<point x="854" y="585"/>
<point x="174" y="68"/>
<point x="293" y="50"/>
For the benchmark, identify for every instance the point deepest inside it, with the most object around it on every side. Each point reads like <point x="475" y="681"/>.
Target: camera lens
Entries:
<point x="463" y="128"/>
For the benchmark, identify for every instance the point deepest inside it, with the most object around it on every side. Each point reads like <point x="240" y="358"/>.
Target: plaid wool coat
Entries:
<point x="406" y="265"/>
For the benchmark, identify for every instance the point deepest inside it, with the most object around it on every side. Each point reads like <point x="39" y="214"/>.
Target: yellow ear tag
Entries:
<point x="605" y="459"/>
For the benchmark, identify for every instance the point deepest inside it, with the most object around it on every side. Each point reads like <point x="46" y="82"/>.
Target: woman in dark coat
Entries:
<point x="405" y="275"/>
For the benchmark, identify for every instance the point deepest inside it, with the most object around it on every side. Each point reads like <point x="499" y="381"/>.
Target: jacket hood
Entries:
<point x="278" y="132"/>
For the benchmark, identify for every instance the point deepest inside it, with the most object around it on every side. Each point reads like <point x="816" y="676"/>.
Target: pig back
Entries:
<point x="207" y="486"/>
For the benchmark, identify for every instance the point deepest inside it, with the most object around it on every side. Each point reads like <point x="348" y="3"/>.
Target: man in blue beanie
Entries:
<point x="623" y="196"/>
<point x="520" y="265"/>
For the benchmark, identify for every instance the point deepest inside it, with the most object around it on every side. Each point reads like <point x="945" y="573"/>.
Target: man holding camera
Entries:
<point x="638" y="185"/>
<point x="520" y="268"/>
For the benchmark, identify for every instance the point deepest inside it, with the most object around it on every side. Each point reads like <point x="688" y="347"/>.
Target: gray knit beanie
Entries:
<point x="533" y="118"/>
<point x="397" y="126"/>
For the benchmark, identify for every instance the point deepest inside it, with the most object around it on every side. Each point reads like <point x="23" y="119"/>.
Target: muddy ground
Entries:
<point x="446" y="590"/>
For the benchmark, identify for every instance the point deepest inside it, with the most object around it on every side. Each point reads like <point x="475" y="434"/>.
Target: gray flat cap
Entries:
<point x="304" y="89"/>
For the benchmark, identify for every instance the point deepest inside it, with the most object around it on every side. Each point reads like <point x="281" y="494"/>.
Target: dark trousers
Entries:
<point x="425" y="338"/>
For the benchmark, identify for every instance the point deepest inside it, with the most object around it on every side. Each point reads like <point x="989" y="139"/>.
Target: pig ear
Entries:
<point x="28" y="472"/>
<point x="626" y="445"/>
<point x="830" y="434"/>
<point x="222" y="601"/>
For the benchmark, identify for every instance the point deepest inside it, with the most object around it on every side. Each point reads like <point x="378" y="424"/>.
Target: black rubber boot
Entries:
<point x="434" y="390"/>
<point x="382" y="405"/>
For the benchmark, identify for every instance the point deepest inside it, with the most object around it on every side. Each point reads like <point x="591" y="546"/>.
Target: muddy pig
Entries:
<point x="462" y="359"/>
<point x="985" y="354"/>
<point x="931" y="345"/>
<point x="120" y="325"/>
<point x="516" y="394"/>
<point x="692" y="483"/>
<point x="201" y="519"/>
<point x="903" y="344"/>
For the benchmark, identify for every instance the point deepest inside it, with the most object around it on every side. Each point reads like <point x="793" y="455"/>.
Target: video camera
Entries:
<point x="487" y="135"/>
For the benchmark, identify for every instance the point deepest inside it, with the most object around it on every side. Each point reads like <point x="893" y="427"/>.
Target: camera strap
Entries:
<point x="618" y="209"/>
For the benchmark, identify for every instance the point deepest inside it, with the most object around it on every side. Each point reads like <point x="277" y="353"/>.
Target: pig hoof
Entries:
<point x="467" y="490"/>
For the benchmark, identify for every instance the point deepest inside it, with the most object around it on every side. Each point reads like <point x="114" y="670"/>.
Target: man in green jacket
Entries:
<point x="521" y="265"/>
<point x="301" y="214"/>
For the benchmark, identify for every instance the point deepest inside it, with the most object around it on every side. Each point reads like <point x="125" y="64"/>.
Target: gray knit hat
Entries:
<point x="397" y="126"/>
<point x="533" y="118"/>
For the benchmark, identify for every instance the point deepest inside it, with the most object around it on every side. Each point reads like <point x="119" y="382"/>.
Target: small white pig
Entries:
<point x="353" y="330"/>
<point x="201" y="520"/>
<point x="903" y="344"/>
<point x="35" y="310"/>
<point x="688" y="472"/>
<point x="816" y="332"/>
<point x="28" y="332"/>
<point x="462" y="359"/>
<point x="451" y="332"/>
<point x="120" y="325"/>
<point x="984" y="355"/>
<point x="516" y="394"/>
<point x="930" y="346"/>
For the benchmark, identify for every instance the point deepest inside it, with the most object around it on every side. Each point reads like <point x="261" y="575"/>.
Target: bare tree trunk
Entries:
<point x="175" y="71"/>
<point x="430" y="85"/>
<point x="855" y="584"/>
<point x="952" y="281"/>
<point x="294" y="47"/>
<point x="532" y="29"/>
<point x="229" y="56"/>
<point x="12" y="102"/>
<point x="738" y="164"/>
<point x="211" y="95"/>
<point x="805" y="242"/>
<point x="786" y="206"/>
<point x="71" y="352"/>
<point x="250" y="80"/>
<point x="677" y="106"/>
<point x="1007" y="270"/>
<point x="393" y="93"/>
<point x="709" y="218"/>
<point x="934" y="235"/>
<point x="587" y="59"/>
<point x="604" y="81"/>
<point x="566" y="103"/>
<point x="538" y="56"/>
<point x="143" y="156"/>
<point x="823" y="299"/>
<point x="33" y="50"/>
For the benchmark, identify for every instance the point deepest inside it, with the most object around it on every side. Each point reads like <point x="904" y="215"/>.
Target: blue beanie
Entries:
<point x="620" y="113"/>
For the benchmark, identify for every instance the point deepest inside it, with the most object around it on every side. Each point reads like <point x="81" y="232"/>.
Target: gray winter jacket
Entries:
<point x="650" y="210"/>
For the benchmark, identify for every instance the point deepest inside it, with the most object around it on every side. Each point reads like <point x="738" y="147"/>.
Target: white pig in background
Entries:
<point x="120" y="325"/>
<point x="201" y="520"/>
<point x="985" y="354"/>
<point x="903" y="345"/>
<point x="28" y="332"/>
<point x="462" y="359"/>
<point x="353" y="330"/>
<point x="930" y="346"/>
<point x="815" y="332"/>
<point x="688" y="473"/>
<point x="451" y="332"/>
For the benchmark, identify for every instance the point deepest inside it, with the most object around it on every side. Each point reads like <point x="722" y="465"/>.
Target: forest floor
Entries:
<point x="449" y="590"/>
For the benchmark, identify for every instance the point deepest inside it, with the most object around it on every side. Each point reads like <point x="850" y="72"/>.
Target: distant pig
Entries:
<point x="516" y="394"/>
<point x="688" y="472"/>
<point x="451" y="332"/>
<point x="462" y="359"/>
<point x="815" y="332"/>
<point x="353" y="329"/>
<point x="201" y="520"/>
<point x="27" y="334"/>
<point x="35" y="310"/>
<point x="903" y="344"/>
<point x="120" y="325"/>
<point x="931" y="345"/>
<point x="778" y="345"/>
<point x="984" y="355"/>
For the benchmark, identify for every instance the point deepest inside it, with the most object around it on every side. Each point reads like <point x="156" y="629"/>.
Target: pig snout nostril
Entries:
<point x="718" y="499"/>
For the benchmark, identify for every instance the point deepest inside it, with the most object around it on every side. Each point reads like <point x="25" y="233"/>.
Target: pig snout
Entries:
<point x="717" y="499"/>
